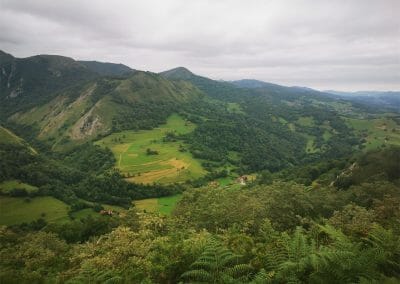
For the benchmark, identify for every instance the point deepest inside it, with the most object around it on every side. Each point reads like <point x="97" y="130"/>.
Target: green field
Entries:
<point x="169" y="165"/>
<point x="17" y="210"/>
<point x="376" y="132"/>
<point x="226" y="181"/>
<point x="90" y="212"/>
<point x="7" y="186"/>
<point x="310" y="144"/>
<point x="163" y="205"/>
<point x="307" y="121"/>
<point x="234" y="108"/>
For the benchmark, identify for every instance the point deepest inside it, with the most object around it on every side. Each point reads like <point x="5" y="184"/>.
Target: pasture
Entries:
<point x="169" y="160"/>
<point x="163" y="205"/>
<point x="16" y="210"/>
<point x="376" y="132"/>
<point x="7" y="186"/>
<point x="90" y="212"/>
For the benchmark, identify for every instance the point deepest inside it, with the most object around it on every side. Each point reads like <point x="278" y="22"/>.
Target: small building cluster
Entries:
<point x="242" y="180"/>
<point x="106" y="212"/>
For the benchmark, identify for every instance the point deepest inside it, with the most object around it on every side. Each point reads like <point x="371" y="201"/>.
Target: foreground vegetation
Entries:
<point x="267" y="232"/>
<point x="114" y="177"/>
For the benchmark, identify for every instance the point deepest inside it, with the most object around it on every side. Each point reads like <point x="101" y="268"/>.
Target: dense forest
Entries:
<point x="82" y="174"/>
<point x="270" y="184"/>
<point x="271" y="231"/>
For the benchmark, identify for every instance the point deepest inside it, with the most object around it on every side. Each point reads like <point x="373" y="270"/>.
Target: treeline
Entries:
<point x="278" y="233"/>
<point x="379" y="164"/>
<point x="260" y="132"/>
<point x="84" y="174"/>
<point x="262" y="145"/>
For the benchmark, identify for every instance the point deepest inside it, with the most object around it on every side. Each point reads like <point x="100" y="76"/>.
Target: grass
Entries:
<point x="310" y="146"/>
<point x="328" y="131"/>
<point x="376" y="132"/>
<point x="225" y="180"/>
<point x="16" y="210"/>
<point x="234" y="108"/>
<point x="167" y="204"/>
<point x="307" y="121"/>
<point x="163" y="205"/>
<point x="282" y="120"/>
<point x="81" y="214"/>
<point x="7" y="186"/>
<point x="7" y="137"/>
<point x="147" y="205"/>
<point x="90" y="212"/>
<point x="168" y="166"/>
<point x="327" y="135"/>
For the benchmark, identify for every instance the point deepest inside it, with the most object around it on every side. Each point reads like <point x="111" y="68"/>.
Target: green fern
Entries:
<point x="217" y="265"/>
<point x="343" y="261"/>
<point x="93" y="276"/>
<point x="386" y="245"/>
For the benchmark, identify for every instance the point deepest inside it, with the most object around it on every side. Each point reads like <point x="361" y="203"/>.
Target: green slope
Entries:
<point x="171" y="164"/>
<point x="105" y="105"/>
<point x="17" y="210"/>
<point x="8" y="137"/>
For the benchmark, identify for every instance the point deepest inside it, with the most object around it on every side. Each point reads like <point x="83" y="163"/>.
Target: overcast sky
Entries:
<point x="327" y="44"/>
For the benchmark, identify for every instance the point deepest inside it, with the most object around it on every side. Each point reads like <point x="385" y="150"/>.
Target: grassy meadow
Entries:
<point x="163" y="205"/>
<point x="376" y="132"/>
<point x="171" y="164"/>
<point x="7" y="186"/>
<point x="90" y="212"/>
<point x="16" y="210"/>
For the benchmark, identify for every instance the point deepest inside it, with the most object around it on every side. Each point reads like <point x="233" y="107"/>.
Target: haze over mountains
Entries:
<point x="63" y="70"/>
<point x="64" y="98"/>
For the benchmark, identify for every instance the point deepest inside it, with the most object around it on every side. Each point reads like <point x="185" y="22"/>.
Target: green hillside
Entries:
<point x="142" y="101"/>
<point x="8" y="137"/>
<point x="377" y="132"/>
<point x="171" y="161"/>
<point x="107" y="69"/>
<point x="177" y="178"/>
<point x="33" y="81"/>
<point x="18" y="210"/>
<point x="9" y="186"/>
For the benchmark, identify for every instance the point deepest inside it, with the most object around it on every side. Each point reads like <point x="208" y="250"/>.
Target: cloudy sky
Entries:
<point x="327" y="44"/>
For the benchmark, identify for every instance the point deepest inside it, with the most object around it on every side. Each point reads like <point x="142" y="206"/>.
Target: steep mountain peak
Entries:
<point x="181" y="73"/>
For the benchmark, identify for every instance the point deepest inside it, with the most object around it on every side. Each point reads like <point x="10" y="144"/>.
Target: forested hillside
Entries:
<point x="115" y="175"/>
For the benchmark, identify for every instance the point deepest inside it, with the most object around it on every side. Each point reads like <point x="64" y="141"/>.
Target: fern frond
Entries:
<point x="197" y="275"/>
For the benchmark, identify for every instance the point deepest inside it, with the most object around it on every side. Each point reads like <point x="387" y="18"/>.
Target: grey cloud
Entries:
<point x="324" y="44"/>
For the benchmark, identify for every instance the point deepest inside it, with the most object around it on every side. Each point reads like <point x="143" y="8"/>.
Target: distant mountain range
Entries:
<point x="389" y="99"/>
<point x="107" y="69"/>
<point x="65" y="100"/>
<point x="363" y="93"/>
